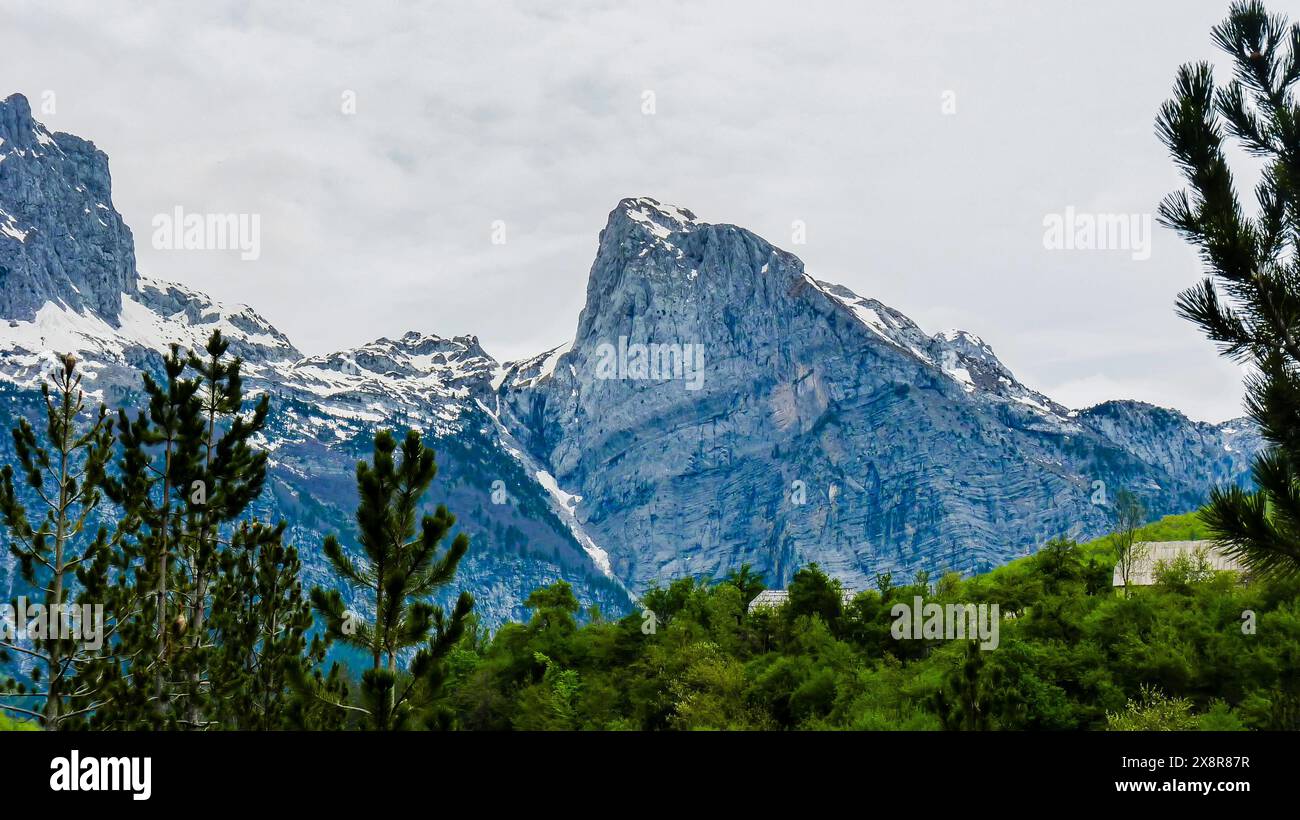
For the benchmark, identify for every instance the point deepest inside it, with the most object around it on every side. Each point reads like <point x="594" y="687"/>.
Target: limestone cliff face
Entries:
<point x="823" y="426"/>
<point x="60" y="238"/>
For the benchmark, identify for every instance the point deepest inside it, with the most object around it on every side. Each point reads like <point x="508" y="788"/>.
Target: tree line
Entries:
<point x="204" y="623"/>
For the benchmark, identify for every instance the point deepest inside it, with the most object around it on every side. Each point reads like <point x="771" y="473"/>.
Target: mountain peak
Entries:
<point x="710" y="372"/>
<point x="650" y="214"/>
<point x="956" y="335"/>
<point x="22" y="135"/>
<point x="61" y="240"/>
<point x="419" y="343"/>
<point x="968" y="344"/>
<point x="15" y="116"/>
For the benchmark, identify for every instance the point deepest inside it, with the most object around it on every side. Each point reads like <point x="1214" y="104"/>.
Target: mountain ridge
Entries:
<point x="892" y="433"/>
<point x="804" y="375"/>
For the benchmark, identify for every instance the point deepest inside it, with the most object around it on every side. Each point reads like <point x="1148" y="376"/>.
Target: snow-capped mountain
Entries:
<point x="789" y="419"/>
<point x="962" y="356"/>
<point x="827" y="427"/>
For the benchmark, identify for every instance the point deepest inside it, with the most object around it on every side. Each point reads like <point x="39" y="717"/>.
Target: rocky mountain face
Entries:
<point x="822" y="426"/>
<point x="61" y="238"/>
<point x="717" y="406"/>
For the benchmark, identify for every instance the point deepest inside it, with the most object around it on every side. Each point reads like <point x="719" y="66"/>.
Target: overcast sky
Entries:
<point x="381" y="221"/>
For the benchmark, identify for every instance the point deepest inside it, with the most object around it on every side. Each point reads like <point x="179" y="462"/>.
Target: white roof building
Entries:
<point x="769" y="599"/>
<point x="776" y="598"/>
<point x="1152" y="553"/>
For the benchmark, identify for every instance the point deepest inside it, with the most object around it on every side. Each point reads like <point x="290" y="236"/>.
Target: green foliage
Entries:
<point x="210" y="629"/>
<point x="1153" y="712"/>
<point x="398" y="569"/>
<point x="205" y="611"/>
<point x="204" y="618"/>
<point x="71" y="458"/>
<point x="813" y="592"/>
<point x="1186" y="527"/>
<point x="8" y="724"/>
<point x="1074" y="656"/>
<point x="1184" y="572"/>
<point x="1249" y="304"/>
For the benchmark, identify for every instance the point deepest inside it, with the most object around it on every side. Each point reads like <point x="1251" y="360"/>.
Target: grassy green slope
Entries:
<point x="8" y="724"/>
<point x="1182" y="527"/>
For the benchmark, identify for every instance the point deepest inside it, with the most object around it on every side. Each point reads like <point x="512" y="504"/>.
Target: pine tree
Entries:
<point x="970" y="698"/>
<point x="259" y="624"/>
<point x="1249" y="304"/>
<point x="747" y="581"/>
<point x="230" y="476"/>
<point x="160" y="450"/>
<point x="64" y="474"/>
<point x="186" y="473"/>
<point x="397" y="570"/>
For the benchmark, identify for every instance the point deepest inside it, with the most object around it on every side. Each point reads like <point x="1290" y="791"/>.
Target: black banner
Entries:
<point x="299" y="770"/>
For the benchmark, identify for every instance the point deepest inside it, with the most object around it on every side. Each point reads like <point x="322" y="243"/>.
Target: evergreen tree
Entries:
<point x="160" y="450"/>
<point x="398" y="569"/>
<point x="555" y="609"/>
<point x="747" y="581"/>
<point x="64" y="474"/>
<point x="230" y="474"/>
<point x="259" y="623"/>
<point x="813" y="592"/>
<point x="970" y="698"/>
<point x="188" y="584"/>
<point x="1249" y="304"/>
